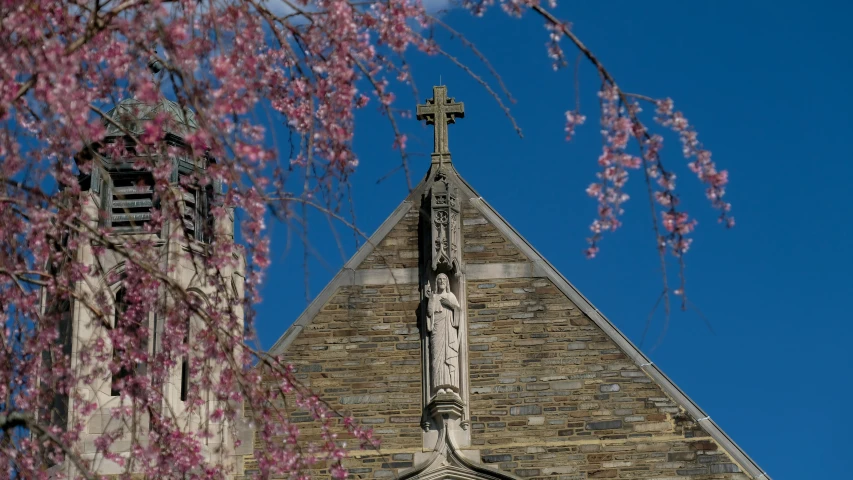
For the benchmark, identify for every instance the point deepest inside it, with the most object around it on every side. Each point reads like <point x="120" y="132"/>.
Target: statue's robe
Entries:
<point x="444" y="340"/>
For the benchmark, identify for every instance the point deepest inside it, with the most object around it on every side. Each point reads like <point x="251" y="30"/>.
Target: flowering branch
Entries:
<point x="85" y="119"/>
<point x="620" y="119"/>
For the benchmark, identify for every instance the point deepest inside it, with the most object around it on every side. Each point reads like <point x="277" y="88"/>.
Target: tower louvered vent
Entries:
<point x="132" y="200"/>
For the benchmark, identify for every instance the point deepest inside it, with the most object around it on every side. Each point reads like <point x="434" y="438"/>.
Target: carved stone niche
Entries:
<point x="445" y="229"/>
<point x="443" y="322"/>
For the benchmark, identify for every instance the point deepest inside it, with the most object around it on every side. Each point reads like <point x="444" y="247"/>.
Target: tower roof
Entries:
<point x="131" y="114"/>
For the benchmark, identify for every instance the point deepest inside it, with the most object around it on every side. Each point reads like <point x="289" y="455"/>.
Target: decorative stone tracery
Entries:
<point x="445" y="226"/>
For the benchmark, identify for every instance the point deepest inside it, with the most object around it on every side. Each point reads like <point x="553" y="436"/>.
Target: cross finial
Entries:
<point x="440" y="111"/>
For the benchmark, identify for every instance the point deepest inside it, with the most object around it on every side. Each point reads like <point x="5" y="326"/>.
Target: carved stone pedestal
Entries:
<point x="446" y="407"/>
<point x="445" y="411"/>
<point x="446" y="460"/>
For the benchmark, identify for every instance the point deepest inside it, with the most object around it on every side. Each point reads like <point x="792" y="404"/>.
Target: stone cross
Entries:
<point x="440" y="111"/>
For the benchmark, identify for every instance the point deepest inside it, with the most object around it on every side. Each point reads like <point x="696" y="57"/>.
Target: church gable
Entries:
<point x="472" y="357"/>
<point x="623" y="405"/>
<point x="399" y="248"/>
<point x="484" y="243"/>
<point x="552" y="394"/>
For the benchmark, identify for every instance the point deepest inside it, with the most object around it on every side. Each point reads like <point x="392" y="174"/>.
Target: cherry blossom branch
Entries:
<point x="223" y="61"/>
<point x="676" y="222"/>
<point x="95" y="25"/>
<point x="14" y="420"/>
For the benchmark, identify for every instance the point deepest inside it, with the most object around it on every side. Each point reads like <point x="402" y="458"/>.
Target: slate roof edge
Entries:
<point x="547" y="270"/>
<point x="346" y="275"/>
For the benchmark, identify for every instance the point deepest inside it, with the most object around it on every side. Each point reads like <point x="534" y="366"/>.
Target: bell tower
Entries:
<point x="159" y="204"/>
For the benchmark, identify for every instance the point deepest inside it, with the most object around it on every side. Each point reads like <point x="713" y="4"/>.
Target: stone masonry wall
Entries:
<point x="399" y="249"/>
<point x="361" y="354"/>
<point x="483" y="243"/>
<point x="551" y="396"/>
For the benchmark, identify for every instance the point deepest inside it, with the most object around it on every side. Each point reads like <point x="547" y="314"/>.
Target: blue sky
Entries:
<point x="767" y="85"/>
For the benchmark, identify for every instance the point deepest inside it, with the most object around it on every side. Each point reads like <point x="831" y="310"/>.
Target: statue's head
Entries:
<point x="442" y="282"/>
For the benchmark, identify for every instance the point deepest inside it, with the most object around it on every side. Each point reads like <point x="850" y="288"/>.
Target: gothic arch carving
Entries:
<point x="111" y="283"/>
<point x="457" y="473"/>
<point x="448" y="463"/>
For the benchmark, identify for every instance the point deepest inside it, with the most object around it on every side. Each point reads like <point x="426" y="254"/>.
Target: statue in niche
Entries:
<point x="442" y="322"/>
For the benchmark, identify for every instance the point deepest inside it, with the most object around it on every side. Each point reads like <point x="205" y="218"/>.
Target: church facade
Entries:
<point x="473" y="358"/>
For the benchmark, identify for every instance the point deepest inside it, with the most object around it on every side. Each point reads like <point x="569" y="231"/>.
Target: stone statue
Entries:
<point x="442" y="322"/>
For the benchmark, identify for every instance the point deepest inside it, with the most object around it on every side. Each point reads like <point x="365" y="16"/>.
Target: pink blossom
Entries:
<point x="573" y="120"/>
<point x="227" y="70"/>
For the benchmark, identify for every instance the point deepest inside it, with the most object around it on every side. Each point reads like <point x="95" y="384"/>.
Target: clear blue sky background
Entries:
<point x="768" y="85"/>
